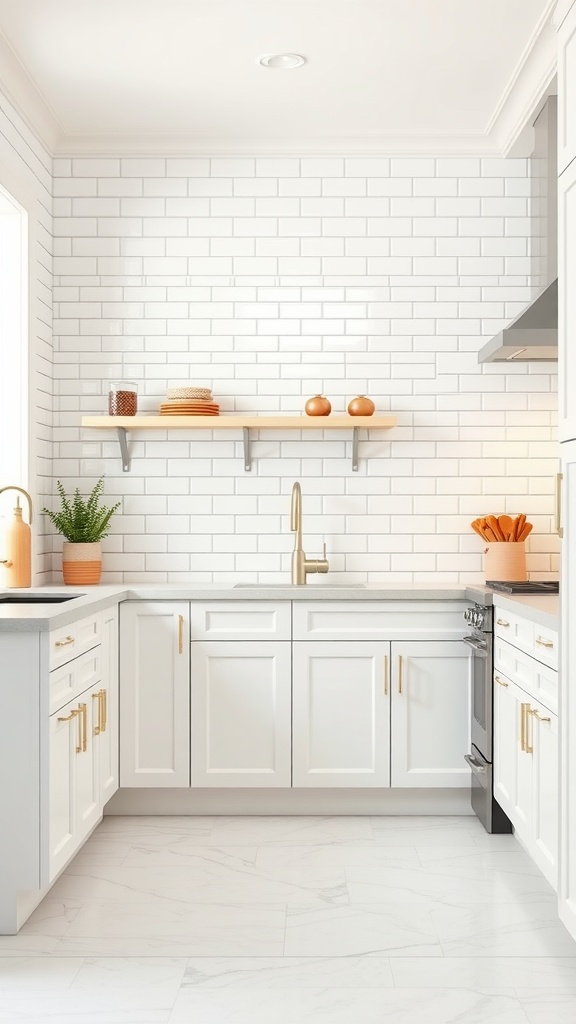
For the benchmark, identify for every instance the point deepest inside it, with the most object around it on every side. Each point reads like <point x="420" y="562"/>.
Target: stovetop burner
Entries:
<point x="536" y="587"/>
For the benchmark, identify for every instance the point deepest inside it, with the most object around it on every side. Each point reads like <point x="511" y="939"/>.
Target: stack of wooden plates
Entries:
<point x="189" y="401"/>
<point x="189" y="407"/>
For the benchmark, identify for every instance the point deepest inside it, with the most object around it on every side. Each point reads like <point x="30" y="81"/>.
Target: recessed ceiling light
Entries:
<point x="284" y="61"/>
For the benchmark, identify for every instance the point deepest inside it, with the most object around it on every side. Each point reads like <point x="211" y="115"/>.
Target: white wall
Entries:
<point x="25" y="172"/>
<point x="270" y="280"/>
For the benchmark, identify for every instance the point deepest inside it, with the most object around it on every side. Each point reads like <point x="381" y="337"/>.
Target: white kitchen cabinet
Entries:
<point x="155" y="694"/>
<point x="106" y="707"/>
<point x="567" y="298"/>
<point x="506" y="740"/>
<point x="75" y="806"/>
<point x="341" y="714"/>
<point x="567" y="695"/>
<point x="567" y="89"/>
<point x="241" y="713"/>
<point x="526" y="770"/>
<point x="430" y="714"/>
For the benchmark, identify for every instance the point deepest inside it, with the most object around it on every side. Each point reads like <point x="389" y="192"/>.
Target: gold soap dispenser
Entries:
<point x="18" y="546"/>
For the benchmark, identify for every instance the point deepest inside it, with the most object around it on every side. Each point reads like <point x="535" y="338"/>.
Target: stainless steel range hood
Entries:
<point x="533" y="335"/>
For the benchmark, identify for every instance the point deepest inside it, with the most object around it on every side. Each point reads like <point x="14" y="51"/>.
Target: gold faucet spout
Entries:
<point x="301" y="565"/>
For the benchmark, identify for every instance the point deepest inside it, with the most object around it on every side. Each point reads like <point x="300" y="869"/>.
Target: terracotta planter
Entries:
<point x="82" y="563"/>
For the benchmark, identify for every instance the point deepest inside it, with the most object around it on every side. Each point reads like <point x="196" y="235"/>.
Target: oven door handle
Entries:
<point x="475" y="765"/>
<point x="481" y="649"/>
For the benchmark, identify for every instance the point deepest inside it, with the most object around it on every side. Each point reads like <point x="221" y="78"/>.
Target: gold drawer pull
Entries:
<point x="544" y="643"/>
<point x="64" y="643"/>
<point x="80" y="710"/>
<point x="502" y="622"/>
<point x="400" y="672"/>
<point x="180" y="634"/>
<point x="541" y="718"/>
<point x="84" y="724"/>
<point x="98" y="726"/>
<point x="500" y="681"/>
<point x="526" y="712"/>
<point x="66" y="718"/>
<point x="385" y="675"/>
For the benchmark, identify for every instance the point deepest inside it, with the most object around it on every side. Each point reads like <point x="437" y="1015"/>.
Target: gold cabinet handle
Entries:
<point x="541" y="718"/>
<point x="84" y="728"/>
<point x="79" y="711"/>
<point x="544" y="643"/>
<point x="523" y="708"/>
<point x="385" y="675"/>
<point x="98" y="726"/>
<point x="64" y="643"/>
<point x="180" y="634"/>
<point x="527" y="711"/>
<point x="105" y="708"/>
<point x="558" y="506"/>
<point x="500" y="682"/>
<point x="502" y="622"/>
<point x="400" y="672"/>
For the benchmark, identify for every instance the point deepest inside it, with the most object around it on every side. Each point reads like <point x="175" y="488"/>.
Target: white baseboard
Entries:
<point x="290" y="801"/>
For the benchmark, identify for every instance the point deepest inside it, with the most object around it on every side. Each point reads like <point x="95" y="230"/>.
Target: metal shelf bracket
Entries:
<point x="247" y="450"/>
<point x="121" y="431"/>
<point x="355" y="449"/>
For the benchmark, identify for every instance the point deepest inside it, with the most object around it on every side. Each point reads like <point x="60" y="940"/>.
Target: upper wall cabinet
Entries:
<point x="567" y="302"/>
<point x="567" y="90"/>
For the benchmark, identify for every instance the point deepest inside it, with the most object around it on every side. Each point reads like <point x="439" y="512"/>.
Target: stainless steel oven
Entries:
<point x="479" y="641"/>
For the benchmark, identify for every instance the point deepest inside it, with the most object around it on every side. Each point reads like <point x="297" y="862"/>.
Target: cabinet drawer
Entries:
<point x="378" y="620"/>
<point x="236" y="620"/>
<point x="70" y="680"/>
<point x="538" y="641"/>
<point x="539" y="681"/>
<point x="545" y="645"/>
<point x="70" y="641"/>
<point x="513" y="628"/>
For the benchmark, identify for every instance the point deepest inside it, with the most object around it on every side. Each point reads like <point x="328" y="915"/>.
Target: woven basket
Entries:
<point x="174" y="393"/>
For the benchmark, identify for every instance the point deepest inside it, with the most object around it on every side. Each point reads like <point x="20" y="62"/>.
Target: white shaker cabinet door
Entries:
<point x="543" y="735"/>
<point x="430" y="714"/>
<point x="155" y="694"/>
<point x="341" y="714"/>
<point x="567" y="695"/>
<point x="106" y="707"/>
<point x="74" y="800"/>
<point x="506" y="739"/>
<point x="240" y="713"/>
<point x="567" y="301"/>
<point x="522" y="807"/>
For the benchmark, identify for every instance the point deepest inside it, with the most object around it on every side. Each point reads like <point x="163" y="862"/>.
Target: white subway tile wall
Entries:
<point x="26" y="169"/>
<point x="270" y="280"/>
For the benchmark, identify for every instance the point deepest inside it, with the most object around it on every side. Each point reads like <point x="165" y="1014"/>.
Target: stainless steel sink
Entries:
<point x="295" y="586"/>
<point x="38" y="598"/>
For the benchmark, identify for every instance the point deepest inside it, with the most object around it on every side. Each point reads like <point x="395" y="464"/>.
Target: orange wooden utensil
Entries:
<point x="494" y="525"/>
<point x="506" y="524"/>
<point x="525" y="531"/>
<point x="519" y="526"/>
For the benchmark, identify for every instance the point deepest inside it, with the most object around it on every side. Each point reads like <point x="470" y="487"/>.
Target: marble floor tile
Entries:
<point x="349" y="972"/>
<point x="186" y="852"/>
<point x="547" y="1007"/>
<point x="179" y="929"/>
<point x="344" y="1006"/>
<point x="506" y="929"/>
<point x="349" y="931"/>
<point x="290" y="831"/>
<point x="161" y="977"/>
<point x="393" y="885"/>
<point x="486" y="973"/>
<point x="27" y="973"/>
<point x="61" y="1008"/>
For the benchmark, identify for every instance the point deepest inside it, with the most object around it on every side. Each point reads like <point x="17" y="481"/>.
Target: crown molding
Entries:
<point x="22" y="92"/>
<point x="532" y="81"/>
<point x="394" y="144"/>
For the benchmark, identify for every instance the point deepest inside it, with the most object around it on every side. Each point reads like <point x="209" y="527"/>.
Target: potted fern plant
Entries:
<point x="83" y="522"/>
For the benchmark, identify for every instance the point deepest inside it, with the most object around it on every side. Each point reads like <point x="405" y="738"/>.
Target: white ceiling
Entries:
<point x="181" y="74"/>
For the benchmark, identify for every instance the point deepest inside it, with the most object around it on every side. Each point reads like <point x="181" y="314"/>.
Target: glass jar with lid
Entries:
<point x="123" y="398"/>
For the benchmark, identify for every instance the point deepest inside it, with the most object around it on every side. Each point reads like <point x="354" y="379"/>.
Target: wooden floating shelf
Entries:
<point x="122" y="424"/>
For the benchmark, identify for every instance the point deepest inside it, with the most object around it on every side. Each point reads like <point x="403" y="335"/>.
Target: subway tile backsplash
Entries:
<point x="270" y="280"/>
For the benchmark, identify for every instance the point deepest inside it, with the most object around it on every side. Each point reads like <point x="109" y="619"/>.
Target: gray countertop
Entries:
<point x="43" y="617"/>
